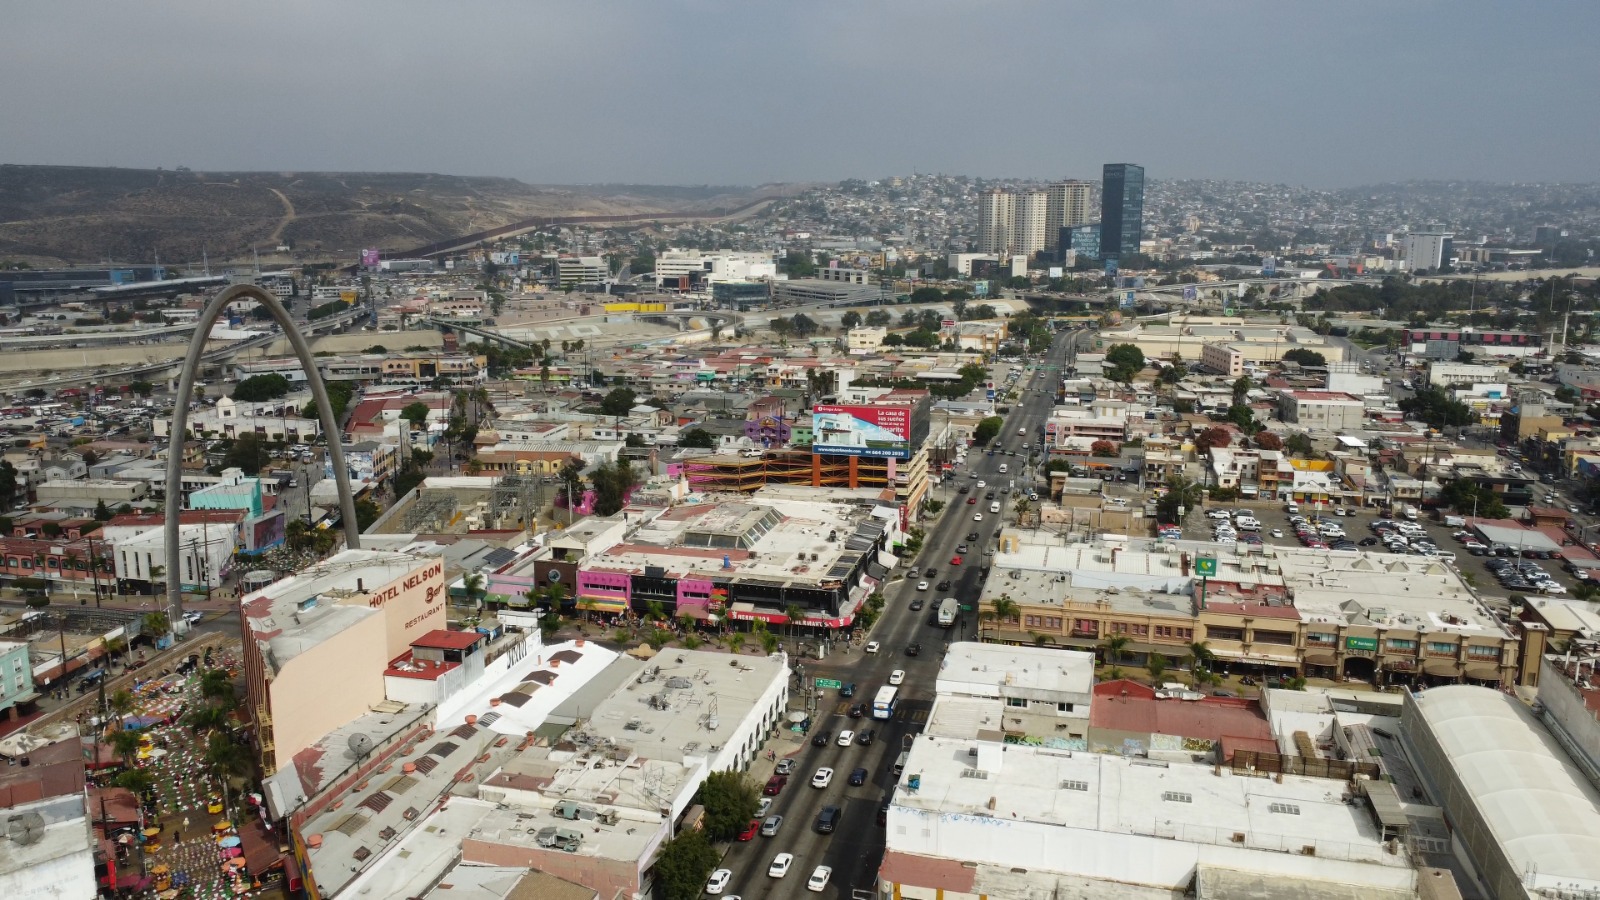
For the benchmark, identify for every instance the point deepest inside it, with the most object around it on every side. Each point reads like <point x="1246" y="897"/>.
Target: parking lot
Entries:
<point x="1357" y="527"/>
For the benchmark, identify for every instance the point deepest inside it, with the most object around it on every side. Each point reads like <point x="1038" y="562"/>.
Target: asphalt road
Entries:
<point x="855" y="849"/>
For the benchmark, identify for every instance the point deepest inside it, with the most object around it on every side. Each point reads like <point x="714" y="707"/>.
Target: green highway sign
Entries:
<point x="1205" y="565"/>
<point x="966" y="608"/>
<point x="827" y="683"/>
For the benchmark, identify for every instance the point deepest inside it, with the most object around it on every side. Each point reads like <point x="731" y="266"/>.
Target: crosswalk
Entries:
<point x="906" y="711"/>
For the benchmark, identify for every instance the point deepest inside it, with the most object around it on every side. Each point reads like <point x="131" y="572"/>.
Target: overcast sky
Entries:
<point x="1325" y="94"/>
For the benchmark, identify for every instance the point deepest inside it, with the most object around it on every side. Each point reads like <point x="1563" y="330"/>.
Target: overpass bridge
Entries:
<point x="164" y="369"/>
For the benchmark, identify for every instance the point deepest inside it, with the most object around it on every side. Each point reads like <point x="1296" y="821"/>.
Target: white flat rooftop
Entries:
<point x="1118" y="795"/>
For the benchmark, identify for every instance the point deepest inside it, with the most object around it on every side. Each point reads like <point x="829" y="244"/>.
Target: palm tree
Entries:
<point x="1003" y="609"/>
<point x="217" y="688"/>
<point x="1200" y="659"/>
<point x="139" y="781"/>
<point x="655" y="611"/>
<point x="736" y="641"/>
<point x="1181" y="492"/>
<point x="121" y="703"/>
<point x="156" y="623"/>
<point x="1156" y="665"/>
<point x="795" y="615"/>
<point x="1116" y="646"/>
<point x="473" y="586"/>
<point x="227" y="760"/>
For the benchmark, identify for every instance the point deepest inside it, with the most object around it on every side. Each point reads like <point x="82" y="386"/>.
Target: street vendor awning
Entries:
<point x="260" y="849"/>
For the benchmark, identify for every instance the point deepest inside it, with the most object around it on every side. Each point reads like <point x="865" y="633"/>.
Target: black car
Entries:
<point x="823" y="738"/>
<point x="858" y="777"/>
<point x="883" y="812"/>
<point x="858" y="710"/>
<point x="989" y="496"/>
<point x="916" y="604"/>
<point x="964" y="489"/>
<point x="931" y="572"/>
<point x="865" y="738"/>
<point x="913" y="649"/>
<point x="1368" y="542"/>
<point x="943" y="585"/>
<point x="848" y="689"/>
<point x="972" y="535"/>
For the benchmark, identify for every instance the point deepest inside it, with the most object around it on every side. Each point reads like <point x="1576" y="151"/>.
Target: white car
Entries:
<point x="819" y="878"/>
<point x="872" y="646"/>
<point x="846" y="737"/>
<point x="977" y="517"/>
<point x="1218" y="514"/>
<point x="719" y="881"/>
<point x="922" y="585"/>
<point x="897" y="676"/>
<point x="823" y="778"/>
<point x="1277" y="532"/>
<point x="982" y="483"/>
<point x="780" y="865"/>
<point x="762" y="807"/>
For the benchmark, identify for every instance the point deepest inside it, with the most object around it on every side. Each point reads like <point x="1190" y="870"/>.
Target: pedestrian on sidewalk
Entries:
<point x="185" y="823"/>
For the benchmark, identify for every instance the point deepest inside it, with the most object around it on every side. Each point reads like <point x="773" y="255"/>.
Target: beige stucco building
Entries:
<point x="316" y="644"/>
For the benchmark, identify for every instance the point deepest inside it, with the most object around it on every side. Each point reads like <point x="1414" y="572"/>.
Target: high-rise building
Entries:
<point x="1066" y="205"/>
<point x="1014" y="223"/>
<point x="1121" y="209"/>
<point x="1429" y="249"/>
<point x="994" y="221"/>
<point x="1029" y="216"/>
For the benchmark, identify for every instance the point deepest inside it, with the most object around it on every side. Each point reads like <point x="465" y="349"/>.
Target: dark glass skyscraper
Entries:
<point x="1121" y="209"/>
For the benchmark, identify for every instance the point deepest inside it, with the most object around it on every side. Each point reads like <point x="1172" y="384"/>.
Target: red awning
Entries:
<point x="260" y="849"/>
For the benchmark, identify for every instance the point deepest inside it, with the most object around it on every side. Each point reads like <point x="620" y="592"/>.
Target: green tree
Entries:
<point x="1125" y="360"/>
<point x="1241" y="389"/>
<point x="1435" y="406"/>
<point x="730" y="800"/>
<point x="612" y="482"/>
<point x="697" y="437"/>
<point x="102" y="512"/>
<point x="125" y="744"/>
<point x="260" y="388"/>
<point x="1180" y="492"/>
<point x="1116" y="647"/>
<point x="878" y="318"/>
<point x="367" y="513"/>
<point x="683" y="865"/>
<point x="850" y="319"/>
<point x="1156" y="664"/>
<point x="987" y="430"/>
<point x="1200" y="660"/>
<point x="415" y="413"/>
<point x="1298" y="444"/>
<point x="340" y="394"/>
<point x="1002" y="609"/>
<point x="618" y="401"/>
<point x="249" y="453"/>
<point x="1305" y="357"/>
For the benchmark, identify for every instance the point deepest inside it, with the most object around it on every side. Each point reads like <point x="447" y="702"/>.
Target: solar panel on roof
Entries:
<point x="499" y="556"/>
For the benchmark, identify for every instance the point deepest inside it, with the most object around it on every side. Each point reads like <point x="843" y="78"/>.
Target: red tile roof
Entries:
<point x="1129" y="706"/>
<point x="927" y="872"/>
<point x="445" y="639"/>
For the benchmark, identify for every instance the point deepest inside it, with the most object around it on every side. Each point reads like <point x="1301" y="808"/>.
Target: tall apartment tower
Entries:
<point x="1030" y="215"/>
<point x="1121" y="209"/>
<point x="1066" y="205"/>
<point x="994" y="221"/>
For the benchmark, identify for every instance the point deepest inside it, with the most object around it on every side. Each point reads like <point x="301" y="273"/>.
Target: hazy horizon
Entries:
<point x="710" y="92"/>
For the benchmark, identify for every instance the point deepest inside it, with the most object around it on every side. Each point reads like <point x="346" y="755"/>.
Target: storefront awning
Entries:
<point x="1442" y="667"/>
<point x="1483" y="671"/>
<point x="596" y="603"/>
<point x="1321" y="658"/>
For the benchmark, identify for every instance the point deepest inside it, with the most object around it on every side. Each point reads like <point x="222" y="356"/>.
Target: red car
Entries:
<point x="955" y="560"/>
<point x="774" y="785"/>
<point x="749" y="833"/>
<point x="971" y="500"/>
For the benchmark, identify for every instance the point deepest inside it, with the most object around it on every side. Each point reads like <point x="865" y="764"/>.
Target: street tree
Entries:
<point x="730" y="800"/>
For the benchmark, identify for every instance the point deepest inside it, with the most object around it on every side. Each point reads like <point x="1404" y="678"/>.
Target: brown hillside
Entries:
<point x="84" y="215"/>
